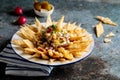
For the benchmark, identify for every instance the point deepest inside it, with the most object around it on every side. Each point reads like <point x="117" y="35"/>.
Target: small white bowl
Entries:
<point x="44" y="12"/>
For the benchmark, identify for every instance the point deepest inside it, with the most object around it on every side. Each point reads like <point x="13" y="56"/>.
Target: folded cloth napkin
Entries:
<point x="16" y="65"/>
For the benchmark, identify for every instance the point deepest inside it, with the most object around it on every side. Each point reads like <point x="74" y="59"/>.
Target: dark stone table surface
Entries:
<point x="102" y="64"/>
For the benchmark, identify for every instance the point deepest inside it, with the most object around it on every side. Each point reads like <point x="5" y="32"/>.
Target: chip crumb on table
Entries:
<point x="107" y="40"/>
<point x="108" y="37"/>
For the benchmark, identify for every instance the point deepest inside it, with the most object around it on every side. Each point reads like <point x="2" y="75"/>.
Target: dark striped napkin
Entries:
<point x="16" y="65"/>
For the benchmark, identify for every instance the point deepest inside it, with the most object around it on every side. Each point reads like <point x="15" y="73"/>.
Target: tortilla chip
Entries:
<point x="99" y="29"/>
<point x="38" y="25"/>
<point x="106" y="20"/>
<point x="48" y="21"/>
<point x="60" y="23"/>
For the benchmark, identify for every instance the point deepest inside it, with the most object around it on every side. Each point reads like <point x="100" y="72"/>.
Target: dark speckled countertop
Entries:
<point x="102" y="64"/>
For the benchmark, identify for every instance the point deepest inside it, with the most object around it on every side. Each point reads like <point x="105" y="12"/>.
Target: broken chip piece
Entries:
<point x="111" y="34"/>
<point x="99" y="29"/>
<point x="107" y="40"/>
<point x="106" y="20"/>
<point x="108" y="37"/>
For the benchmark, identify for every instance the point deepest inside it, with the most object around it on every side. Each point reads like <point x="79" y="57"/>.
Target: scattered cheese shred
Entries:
<point x="106" y="20"/>
<point x="99" y="29"/>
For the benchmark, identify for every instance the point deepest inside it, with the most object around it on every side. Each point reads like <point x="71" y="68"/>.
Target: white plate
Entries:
<point x="46" y="62"/>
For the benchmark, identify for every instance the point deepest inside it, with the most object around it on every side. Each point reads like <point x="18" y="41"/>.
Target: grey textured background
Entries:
<point x="102" y="64"/>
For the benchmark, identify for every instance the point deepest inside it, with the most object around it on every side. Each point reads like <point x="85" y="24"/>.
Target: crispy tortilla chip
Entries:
<point x="28" y="43"/>
<point x="60" y="23"/>
<point x="72" y="26"/>
<point x="19" y="42"/>
<point x="106" y="20"/>
<point x="66" y="26"/>
<point x="38" y="25"/>
<point x="29" y="50"/>
<point x="99" y="29"/>
<point x="48" y="21"/>
<point x="27" y="33"/>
